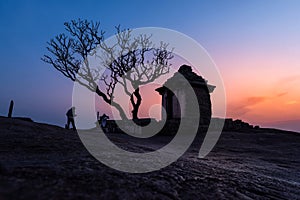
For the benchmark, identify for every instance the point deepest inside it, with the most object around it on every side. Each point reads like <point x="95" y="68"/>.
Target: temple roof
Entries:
<point x="186" y="72"/>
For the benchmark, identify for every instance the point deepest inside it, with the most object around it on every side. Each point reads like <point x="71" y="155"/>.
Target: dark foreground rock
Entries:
<point x="39" y="161"/>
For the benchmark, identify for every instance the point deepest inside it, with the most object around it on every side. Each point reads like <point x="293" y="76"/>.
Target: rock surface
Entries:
<point x="40" y="161"/>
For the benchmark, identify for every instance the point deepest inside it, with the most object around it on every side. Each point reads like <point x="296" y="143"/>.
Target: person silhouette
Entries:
<point x="70" y="118"/>
<point x="103" y="120"/>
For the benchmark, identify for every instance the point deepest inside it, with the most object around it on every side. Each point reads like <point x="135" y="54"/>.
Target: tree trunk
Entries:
<point x="121" y="111"/>
<point x="135" y="105"/>
<point x="112" y="103"/>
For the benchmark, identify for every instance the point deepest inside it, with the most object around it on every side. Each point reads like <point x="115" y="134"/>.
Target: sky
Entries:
<point x="255" y="45"/>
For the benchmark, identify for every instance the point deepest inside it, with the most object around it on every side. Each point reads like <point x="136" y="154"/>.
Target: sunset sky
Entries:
<point x="255" y="45"/>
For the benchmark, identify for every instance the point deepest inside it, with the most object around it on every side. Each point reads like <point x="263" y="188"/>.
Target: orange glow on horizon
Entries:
<point x="258" y="88"/>
<point x="263" y="89"/>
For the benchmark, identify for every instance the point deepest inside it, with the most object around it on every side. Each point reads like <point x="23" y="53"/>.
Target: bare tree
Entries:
<point x="138" y="62"/>
<point x="133" y="61"/>
<point x="69" y="56"/>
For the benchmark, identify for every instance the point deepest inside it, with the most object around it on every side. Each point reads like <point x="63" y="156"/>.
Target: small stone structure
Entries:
<point x="10" y="110"/>
<point x="170" y="98"/>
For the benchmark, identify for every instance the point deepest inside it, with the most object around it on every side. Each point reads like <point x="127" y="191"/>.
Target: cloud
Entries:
<point x="281" y="94"/>
<point x="281" y="90"/>
<point x="254" y="100"/>
<point x="243" y="107"/>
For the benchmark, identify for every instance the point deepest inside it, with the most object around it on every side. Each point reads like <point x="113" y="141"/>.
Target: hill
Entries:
<point x="40" y="161"/>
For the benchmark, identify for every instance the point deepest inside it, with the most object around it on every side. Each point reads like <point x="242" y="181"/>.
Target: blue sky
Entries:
<point x="229" y="30"/>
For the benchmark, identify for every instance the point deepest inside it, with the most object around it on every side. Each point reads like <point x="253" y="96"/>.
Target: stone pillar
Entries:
<point x="11" y="107"/>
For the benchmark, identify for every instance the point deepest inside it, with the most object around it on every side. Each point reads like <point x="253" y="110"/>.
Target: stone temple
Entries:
<point x="170" y="98"/>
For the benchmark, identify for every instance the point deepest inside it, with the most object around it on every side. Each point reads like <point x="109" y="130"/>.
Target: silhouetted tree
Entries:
<point x="130" y="61"/>
<point x="138" y="63"/>
<point x="69" y="56"/>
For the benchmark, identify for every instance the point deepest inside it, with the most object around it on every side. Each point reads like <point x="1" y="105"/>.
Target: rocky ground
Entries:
<point x="39" y="161"/>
